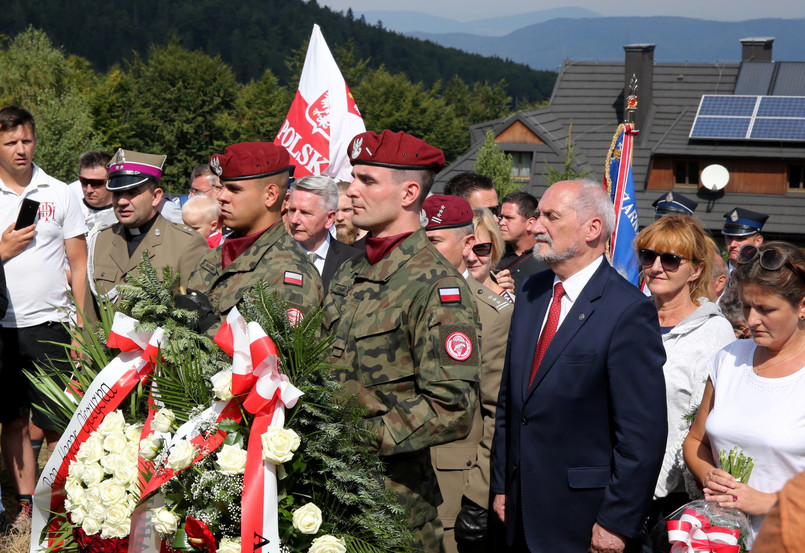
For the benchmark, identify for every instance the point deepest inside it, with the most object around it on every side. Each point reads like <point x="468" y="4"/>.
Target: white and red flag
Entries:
<point x="323" y="117"/>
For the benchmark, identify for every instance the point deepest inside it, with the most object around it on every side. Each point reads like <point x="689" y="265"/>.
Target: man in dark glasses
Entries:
<point x="742" y="227"/>
<point x="465" y="510"/>
<point x="96" y="202"/>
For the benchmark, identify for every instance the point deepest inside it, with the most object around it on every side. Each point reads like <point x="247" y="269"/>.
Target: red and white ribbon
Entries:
<point x="255" y="372"/>
<point x="139" y="352"/>
<point x="693" y="533"/>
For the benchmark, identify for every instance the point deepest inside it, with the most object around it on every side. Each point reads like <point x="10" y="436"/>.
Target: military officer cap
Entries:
<point x="250" y="160"/>
<point x="128" y="169"/>
<point x="743" y="222"/>
<point x="395" y="150"/>
<point x="673" y="203"/>
<point x="442" y="212"/>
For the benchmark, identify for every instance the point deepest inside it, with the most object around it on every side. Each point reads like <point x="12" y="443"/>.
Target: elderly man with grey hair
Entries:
<point x="311" y="212"/>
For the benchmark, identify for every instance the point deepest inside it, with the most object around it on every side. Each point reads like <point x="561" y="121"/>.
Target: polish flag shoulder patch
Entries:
<point x="450" y="295"/>
<point x="458" y="346"/>
<point x="292" y="278"/>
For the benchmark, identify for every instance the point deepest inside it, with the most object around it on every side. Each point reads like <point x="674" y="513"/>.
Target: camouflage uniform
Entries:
<point x="275" y="259"/>
<point x="396" y="326"/>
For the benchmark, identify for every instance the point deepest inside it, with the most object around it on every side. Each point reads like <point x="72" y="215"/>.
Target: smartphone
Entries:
<point x="27" y="214"/>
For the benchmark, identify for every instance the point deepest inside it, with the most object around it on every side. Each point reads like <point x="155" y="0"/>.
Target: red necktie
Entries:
<point x="550" y="329"/>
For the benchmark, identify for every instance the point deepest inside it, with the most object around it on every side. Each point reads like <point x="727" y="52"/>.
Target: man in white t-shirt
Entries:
<point x="39" y="295"/>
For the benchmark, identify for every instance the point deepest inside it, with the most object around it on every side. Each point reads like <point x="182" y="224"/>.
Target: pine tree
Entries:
<point x="497" y="165"/>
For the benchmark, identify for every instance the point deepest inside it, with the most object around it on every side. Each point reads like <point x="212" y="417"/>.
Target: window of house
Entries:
<point x="686" y="172"/>
<point x="521" y="164"/>
<point x="796" y="177"/>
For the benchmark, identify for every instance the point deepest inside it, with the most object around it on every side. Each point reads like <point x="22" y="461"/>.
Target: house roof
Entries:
<point x="589" y="95"/>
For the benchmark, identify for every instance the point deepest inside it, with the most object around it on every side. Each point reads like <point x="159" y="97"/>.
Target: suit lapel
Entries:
<point x="577" y="317"/>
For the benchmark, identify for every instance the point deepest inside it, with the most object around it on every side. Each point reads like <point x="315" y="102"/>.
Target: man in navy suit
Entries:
<point x="580" y="423"/>
<point x="311" y="212"/>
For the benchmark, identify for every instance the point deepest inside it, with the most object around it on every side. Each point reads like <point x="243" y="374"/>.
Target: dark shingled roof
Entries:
<point x="589" y="95"/>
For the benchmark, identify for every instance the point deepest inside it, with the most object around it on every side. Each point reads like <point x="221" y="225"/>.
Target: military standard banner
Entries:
<point x="323" y="117"/>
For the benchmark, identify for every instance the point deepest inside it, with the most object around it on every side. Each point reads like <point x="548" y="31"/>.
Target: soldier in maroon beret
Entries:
<point x="254" y="182"/>
<point x="404" y="324"/>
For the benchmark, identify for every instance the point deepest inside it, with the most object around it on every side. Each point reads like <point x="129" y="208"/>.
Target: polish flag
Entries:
<point x="323" y="117"/>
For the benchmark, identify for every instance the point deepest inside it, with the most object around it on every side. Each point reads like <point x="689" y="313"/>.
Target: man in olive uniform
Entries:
<point x="254" y="180"/>
<point x="403" y="323"/>
<point x="115" y="251"/>
<point x="462" y="467"/>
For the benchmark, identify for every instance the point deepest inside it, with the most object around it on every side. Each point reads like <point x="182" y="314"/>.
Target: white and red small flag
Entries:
<point x="323" y="117"/>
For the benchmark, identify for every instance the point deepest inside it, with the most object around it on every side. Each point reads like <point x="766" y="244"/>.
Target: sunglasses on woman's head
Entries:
<point x="483" y="249"/>
<point x="669" y="261"/>
<point x="771" y="259"/>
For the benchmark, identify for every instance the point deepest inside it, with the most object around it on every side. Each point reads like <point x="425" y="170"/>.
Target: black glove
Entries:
<point x="200" y="303"/>
<point x="471" y="527"/>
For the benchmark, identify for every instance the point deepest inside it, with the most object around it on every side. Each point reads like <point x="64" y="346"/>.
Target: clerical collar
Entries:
<point x="135" y="235"/>
<point x="378" y="248"/>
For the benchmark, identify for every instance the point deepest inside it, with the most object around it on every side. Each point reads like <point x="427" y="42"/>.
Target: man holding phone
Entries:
<point x="33" y="257"/>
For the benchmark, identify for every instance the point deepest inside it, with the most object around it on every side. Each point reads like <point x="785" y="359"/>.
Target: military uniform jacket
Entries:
<point x="405" y="340"/>
<point x="167" y="243"/>
<point x="462" y="467"/>
<point x="274" y="258"/>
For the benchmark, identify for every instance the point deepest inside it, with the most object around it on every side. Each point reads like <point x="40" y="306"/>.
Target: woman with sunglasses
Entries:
<point x="755" y="393"/>
<point x="676" y="257"/>
<point x="487" y="251"/>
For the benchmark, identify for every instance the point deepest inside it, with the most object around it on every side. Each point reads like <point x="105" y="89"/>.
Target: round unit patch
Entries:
<point x="294" y="316"/>
<point x="458" y="346"/>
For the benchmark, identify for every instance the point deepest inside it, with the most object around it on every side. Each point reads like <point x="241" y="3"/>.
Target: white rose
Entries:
<point x="93" y="473"/>
<point x="165" y="522"/>
<point x="232" y="460"/>
<point x="126" y="473"/>
<point x="90" y="526"/>
<point x="307" y="519"/>
<point x="150" y="446"/>
<point x="112" y="492"/>
<point x="115" y="442"/>
<point x="133" y="431"/>
<point x="181" y="455"/>
<point x="222" y="385"/>
<point x="118" y="514"/>
<point x="279" y="445"/>
<point x="78" y="514"/>
<point x="115" y="529"/>
<point x="112" y="462"/>
<point x="97" y="512"/>
<point x="113" y="422"/>
<point x="328" y="544"/>
<point x="91" y="451"/>
<point x="75" y="471"/>
<point x="131" y="453"/>
<point x="228" y="545"/>
<point x="163" y="420"/>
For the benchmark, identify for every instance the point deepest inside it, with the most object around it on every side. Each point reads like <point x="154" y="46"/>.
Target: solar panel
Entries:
<point x="779" y="118"/>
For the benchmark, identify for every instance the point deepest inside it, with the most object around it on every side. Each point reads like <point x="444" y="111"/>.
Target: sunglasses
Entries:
<point x="495" y="209"/>
<point x="669" y="261"/>
<point x="94" y="183"/>
<point x="771" y="259"/>
<point x="483" y="249"/>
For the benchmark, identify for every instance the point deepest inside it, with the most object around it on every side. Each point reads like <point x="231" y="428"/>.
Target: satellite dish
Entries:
<point x="715" y="177"/>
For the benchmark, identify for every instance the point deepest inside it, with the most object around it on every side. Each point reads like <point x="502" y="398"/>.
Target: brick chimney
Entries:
<point x="640" y="63"/>
<point x="756" y="48"/>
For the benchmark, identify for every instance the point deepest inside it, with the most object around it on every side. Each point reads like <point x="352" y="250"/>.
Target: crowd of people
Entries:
<point x="519" y="390"/>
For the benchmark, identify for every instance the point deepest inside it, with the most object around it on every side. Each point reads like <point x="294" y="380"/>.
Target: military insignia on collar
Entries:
<point x="458" y="346"/>
<point x="734" y="216"/>
<point x="669" y="197"/>
<point x="215" y="165"/>
<point x="294" y="316"/>
<point x="292" y="278"/>
<point x="356" y="148"/>
<point x="450" y="295"/>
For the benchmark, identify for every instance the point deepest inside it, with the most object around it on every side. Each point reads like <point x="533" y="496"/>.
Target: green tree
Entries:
<point x="260" y="109"/>
<point x="40" y="78"/>
<point x="569" y="170"/>
<point x="497" y="165"/>
<point x="175" y="104"/>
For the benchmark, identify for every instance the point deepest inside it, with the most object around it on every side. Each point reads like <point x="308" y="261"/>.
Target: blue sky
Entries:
<point x="467" y="10"/>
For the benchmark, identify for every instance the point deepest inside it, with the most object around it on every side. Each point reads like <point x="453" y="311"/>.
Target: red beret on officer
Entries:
<point x="395" y="150"/>
<point x="443" y="212"/>
<point x="250" y="160"/>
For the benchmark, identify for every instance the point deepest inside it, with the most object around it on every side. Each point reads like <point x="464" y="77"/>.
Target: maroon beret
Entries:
<point x="396" y="150"/>
<point x="446" y="212"/>
<point x="250" y="160"/>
